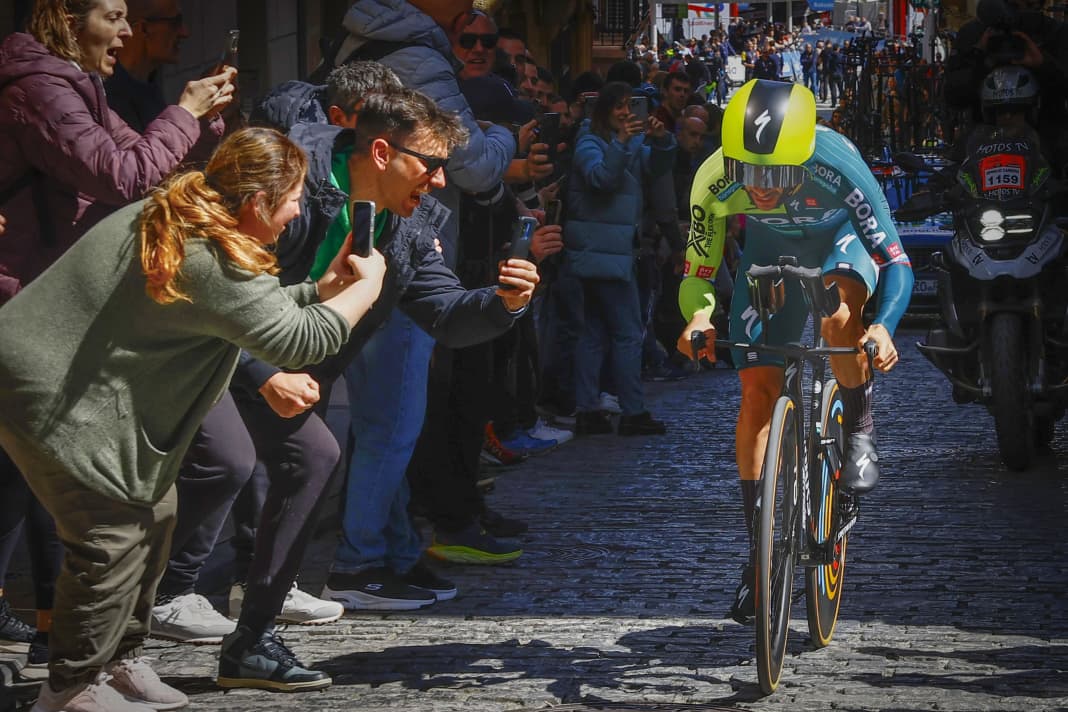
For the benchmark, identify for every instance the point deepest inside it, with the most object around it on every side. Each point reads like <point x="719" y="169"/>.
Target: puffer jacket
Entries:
<point x="426" y="63"/>
<point x="604" y="201"/>
<point x="290" y="103"/>
<point x="66" y="159"/>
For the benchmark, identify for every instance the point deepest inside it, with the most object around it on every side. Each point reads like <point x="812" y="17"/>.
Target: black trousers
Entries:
<point x="443" y="471"/>
<point x="20" y="510"/>
<point x="298" y="454"/>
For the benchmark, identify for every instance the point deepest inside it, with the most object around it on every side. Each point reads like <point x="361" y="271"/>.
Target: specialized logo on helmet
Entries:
<point x="762" y="122"/>
<point x="769" y="102"/>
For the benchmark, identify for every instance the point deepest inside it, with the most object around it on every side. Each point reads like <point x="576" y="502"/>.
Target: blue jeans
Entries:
<point x="613" y="318"/>
<point x="387" y="397"/>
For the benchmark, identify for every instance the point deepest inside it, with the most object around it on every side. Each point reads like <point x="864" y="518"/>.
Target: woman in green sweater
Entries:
<point x="108" y="363"/>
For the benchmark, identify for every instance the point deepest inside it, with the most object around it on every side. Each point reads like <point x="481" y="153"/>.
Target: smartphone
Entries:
<point x="549" y="131"/>
<point x="639" y="106"/>
<point x="363" y="227"/>
<point x="522" y="234"/>
<point x="228" y="58"/>
<point x="588" y="100"/>
<point x="553" y="209"/>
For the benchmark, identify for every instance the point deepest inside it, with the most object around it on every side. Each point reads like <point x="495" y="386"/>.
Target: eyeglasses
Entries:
<point x="172" y="20"/>
<point x="489" y="41"/>
<point x="433" y="163"/>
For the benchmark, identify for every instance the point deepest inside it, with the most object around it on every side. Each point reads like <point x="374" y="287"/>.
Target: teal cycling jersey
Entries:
<point x="838" y="188"/>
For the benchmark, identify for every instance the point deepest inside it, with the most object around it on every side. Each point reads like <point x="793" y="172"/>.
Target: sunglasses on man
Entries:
<point x="432" y="163"/>
<point x="467" y="40"/>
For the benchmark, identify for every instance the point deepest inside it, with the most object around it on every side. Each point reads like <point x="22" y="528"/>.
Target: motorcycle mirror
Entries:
<point x="910" y="162"/>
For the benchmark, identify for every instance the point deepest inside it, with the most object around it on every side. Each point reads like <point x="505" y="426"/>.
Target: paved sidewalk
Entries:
<point x="954" y="594"/>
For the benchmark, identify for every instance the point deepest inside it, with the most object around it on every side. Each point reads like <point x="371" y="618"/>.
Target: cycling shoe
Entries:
<point x="744" y="607"/>
<point x="860" y="468"/>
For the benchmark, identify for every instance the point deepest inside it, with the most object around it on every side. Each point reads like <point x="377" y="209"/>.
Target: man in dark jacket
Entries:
<point x="215" y="477"/>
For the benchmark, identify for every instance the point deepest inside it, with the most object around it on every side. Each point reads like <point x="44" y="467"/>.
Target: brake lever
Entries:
<point x="871" y="349"/>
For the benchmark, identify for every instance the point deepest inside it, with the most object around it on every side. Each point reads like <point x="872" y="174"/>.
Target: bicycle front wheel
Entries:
<point x="823" y="583"/>
<point x="777" y="543"/>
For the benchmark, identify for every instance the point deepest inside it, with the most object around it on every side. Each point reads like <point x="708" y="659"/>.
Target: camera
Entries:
<point x="1004" y="47"/>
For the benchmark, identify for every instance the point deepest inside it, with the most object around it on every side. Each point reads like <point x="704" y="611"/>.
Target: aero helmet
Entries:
<point x="769" y="131"/>
<point x="1009" y="87"/>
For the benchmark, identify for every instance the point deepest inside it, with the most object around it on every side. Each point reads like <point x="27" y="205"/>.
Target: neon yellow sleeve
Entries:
<point x="708" y="231"/>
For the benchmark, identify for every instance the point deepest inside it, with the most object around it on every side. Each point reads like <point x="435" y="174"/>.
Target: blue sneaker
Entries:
<point x="524" y="444"/>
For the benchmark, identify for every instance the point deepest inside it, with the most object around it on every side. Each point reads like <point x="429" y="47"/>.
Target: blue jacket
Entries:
<point x="604" y="197"/>
<point x="290" y="103"/>
<point x="427" y="65"/>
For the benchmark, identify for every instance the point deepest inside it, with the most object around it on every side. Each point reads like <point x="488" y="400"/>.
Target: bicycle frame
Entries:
<point x="767" y="296"/>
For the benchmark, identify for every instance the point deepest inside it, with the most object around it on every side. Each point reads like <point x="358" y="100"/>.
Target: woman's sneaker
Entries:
<point x="95" y="696"/>
<point x="299" y="608"/>
<point x="264" y="662"/>
<point x="136" y="680"/>
<point x="189" y="618"/>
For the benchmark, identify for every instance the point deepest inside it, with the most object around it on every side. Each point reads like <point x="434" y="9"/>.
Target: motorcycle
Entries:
<point x="1002" y="340"/>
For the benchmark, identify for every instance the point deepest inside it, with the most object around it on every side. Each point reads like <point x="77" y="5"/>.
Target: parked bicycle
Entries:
<point x="801" y="520"/>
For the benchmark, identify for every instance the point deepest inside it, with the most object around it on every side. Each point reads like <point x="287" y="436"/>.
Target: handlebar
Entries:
<point x="699" y="341"/>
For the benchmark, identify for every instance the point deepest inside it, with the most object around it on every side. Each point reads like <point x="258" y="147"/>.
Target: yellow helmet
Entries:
<point x="769" y="131"/>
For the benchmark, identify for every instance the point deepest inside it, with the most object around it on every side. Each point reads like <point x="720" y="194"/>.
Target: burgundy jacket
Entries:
<point x="66" y="159"/>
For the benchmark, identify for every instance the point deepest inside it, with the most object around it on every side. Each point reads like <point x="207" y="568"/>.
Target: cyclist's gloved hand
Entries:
<point x="700" y="322"/>
<point x="886" y="356"/>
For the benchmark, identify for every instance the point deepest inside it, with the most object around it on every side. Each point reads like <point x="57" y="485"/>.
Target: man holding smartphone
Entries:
<point x="376" y="563"/>
<point x="157" y="31"/>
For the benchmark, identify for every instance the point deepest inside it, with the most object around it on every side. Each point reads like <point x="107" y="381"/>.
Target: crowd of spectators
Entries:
<point x="454" y="130"/>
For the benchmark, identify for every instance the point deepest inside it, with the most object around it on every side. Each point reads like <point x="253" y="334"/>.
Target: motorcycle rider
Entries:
<point x="1015" y="33"/>
<point x="806" y="191"/>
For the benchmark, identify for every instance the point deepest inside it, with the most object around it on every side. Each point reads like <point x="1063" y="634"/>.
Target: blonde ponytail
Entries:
<point x="206" y="205"/>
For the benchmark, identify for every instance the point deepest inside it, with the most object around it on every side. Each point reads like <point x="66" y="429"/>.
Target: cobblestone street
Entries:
<point x="954" y="593"/>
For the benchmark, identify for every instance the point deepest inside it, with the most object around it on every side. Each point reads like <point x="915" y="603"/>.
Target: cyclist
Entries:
<point x="805" y="191"/>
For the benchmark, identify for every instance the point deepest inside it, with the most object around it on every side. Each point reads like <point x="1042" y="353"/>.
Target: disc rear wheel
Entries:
<point x="823" y="583"/>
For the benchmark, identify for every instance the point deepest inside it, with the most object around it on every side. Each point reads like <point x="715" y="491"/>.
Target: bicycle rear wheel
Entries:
<point x="777" y="543"/>
<point x="823" y="584"/>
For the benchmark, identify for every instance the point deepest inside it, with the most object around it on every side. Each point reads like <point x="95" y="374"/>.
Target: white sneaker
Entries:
<point x="609" y="403"/>
<point x="96" y="696"/>
<point x="190" y="619"/>
<point x="299" y="608"/>
<point x="543" y="431"/>
<point x="136" y="680"/>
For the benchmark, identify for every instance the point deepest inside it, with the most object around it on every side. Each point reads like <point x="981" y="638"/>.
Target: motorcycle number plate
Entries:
<point x="1002" y="172"/>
